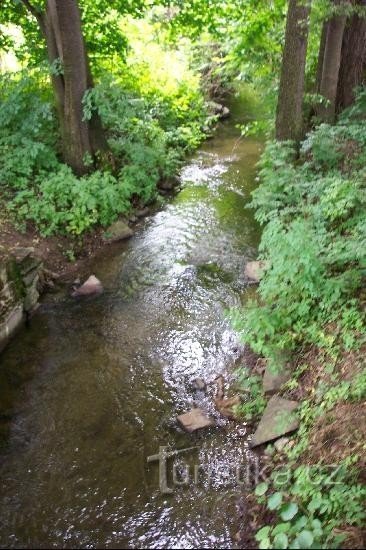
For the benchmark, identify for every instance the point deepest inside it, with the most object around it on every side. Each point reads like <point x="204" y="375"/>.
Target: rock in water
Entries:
<point x="199" y="384"/>
<point x="195" y="419"/>
<point x="254" y="270"/>
<point x="118" y="231"/>
<point x="279" y="418"/>
<point x="91" y="286"/>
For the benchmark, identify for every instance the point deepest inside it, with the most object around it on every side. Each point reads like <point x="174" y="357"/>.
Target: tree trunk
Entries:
<point x="76" y="140"/>
<point x="353" y="60"/>
<point x="331" y="64"/>
<point x="60" y="24"/>
<point x="289" y="120"/>
<point x="319" y="71"/>
<point x="49" y="27"/>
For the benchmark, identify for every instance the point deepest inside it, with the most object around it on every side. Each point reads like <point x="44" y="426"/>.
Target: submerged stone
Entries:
<point x="254" y="270"/>
<point x="199" y="384"/>
<point x="195" y="419"/>
<point x="91" y="286"/>
<point x="279" y="418"/>
<point x="118" y="231"/>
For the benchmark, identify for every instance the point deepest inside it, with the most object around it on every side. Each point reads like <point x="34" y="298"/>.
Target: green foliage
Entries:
<point x="152" y="120"/>
<point x="314" y="241"/>
<point x="314" y="501"/>
<point x="313" y="209"/>
<point x="254" y="400"/>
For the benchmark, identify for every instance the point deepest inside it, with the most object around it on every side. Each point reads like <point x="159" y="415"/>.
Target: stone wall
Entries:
<point x="20" y="274"/>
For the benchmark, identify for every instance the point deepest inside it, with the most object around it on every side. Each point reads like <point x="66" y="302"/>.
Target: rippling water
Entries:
<point x="93" y="387"/>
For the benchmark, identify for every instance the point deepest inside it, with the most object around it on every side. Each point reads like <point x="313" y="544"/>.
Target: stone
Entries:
<point x="274" y="378"/>
<point x="31" y="298"/>
<point x="30" y="277"/>
<point x="28" y="264"/>
<point x="281" y="443"/>
<point x="166" y="185"/>
<point x="225" y="113"/>
<point x="90" y="287"/>
<point x="118" y="231"/>
<point x="142" y="212"/>
<point x="254" y="270"/>
<point x="199" y="384"/>
<point x="226" y="406"/>
<point x="20" y="252"/>
<point x="9" y="325"/>
<point x="279" y="418"/>
<point x="195" y="419"/>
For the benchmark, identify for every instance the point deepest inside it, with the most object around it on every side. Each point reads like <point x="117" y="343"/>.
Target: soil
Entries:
<point x="65" y="256"/>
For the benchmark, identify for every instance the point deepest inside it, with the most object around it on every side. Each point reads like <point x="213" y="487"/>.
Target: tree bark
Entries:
<point x="289" y="120"/>
<point x="60" y="24"/>
<point x="76" y="140"/>
<point x="352" y="70"/>
<point x="331" y="64"/>
<point x="319" y="71"/>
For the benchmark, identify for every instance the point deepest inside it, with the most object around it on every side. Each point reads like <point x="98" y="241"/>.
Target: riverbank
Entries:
<point x="308" y="325"/>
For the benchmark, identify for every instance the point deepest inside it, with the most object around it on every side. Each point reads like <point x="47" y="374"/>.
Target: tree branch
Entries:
<point x="36" y="13"/>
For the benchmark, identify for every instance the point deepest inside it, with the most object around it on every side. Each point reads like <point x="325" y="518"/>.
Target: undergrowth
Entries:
<point x="152" y="118"/>
<point x="313" y="209"/>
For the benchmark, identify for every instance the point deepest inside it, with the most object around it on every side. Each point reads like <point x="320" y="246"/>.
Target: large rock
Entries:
<point x="218" y="109"/>
<point x="90" y="287"/>
<point x="279" y="418"/>
<point x="195" y="419"/>
<point x="274" y="378"/>
<point x="118" y="231"/>
<point x="254" y="270"/>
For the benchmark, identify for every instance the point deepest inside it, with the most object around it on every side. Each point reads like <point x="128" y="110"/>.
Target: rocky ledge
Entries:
<point x="21" y="280"/>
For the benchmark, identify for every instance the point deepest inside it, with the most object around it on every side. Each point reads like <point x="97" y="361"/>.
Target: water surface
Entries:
<point x="93" y="387"/>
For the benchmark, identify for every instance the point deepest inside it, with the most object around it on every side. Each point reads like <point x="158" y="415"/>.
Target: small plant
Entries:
<point x="252" y="387"/>
<point x="313" y="503"/>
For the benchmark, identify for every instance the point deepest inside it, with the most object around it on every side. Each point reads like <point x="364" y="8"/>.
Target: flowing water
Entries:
<point x="92" y="387"/>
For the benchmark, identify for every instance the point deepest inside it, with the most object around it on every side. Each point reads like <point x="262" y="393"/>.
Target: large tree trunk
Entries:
<point x="331" y="64"/>
<point x="289" y="120"/>
<point x="60" y="24"/>
<point x="352" y="70"/>
<point x="76" y="139"/>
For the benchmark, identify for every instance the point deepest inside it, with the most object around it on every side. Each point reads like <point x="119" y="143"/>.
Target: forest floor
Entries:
<point x="335" y="436"/>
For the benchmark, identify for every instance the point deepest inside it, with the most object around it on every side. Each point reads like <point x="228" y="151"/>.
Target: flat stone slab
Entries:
<point x="279" y="418"/>
<point x="195" y="419"/>
<point x="274" y="378"/>
<point x="90" y="287"/>
<point x="118" y="231"/>
<point x="254" y="270"/>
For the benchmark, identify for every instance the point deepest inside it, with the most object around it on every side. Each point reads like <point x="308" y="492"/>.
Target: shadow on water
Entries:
<point x="92" y="388"/>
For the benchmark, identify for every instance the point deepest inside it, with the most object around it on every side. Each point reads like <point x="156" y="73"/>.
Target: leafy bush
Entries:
<point x="314" y="211"/>
<point x="152" y="119"/>
<point x="310" y="505"/>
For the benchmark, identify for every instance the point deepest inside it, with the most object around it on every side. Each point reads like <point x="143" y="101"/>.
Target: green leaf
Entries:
<point x="300" y="523"/>
<point x="281" y="528"/>
<point x="305" y="539"/>
<point x="280" y="541"/>
<point x="288" y="511"/>
<point x="265" y="544"/>
<point x="263" y="533"/>
<point x="261" y="489"/>
<point x="274" y="501"/>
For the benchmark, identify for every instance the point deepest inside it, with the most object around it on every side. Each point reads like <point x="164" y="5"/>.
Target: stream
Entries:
<point x="92" y="387"/>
